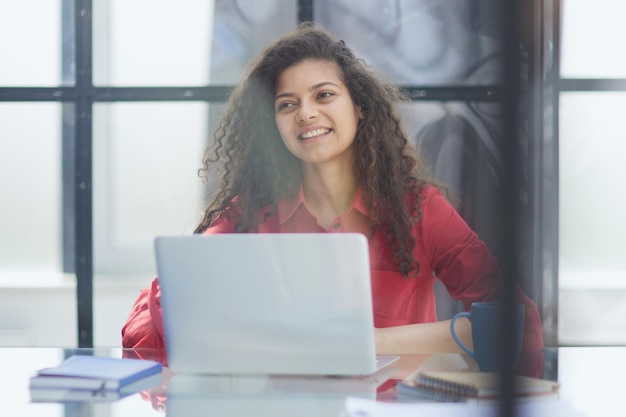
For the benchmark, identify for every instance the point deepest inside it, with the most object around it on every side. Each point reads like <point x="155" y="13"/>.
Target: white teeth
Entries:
<point x="312" y="133"/>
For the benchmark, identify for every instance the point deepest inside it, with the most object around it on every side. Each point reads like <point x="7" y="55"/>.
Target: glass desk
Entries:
<point x="590" y="377"/>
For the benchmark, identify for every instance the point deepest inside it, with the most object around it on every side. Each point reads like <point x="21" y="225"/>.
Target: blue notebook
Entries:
<point x="47" y="394"/>
<point x="96" y="373"/>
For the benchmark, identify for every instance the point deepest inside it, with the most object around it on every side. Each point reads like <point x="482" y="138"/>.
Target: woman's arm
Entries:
<point x="422" y="338"/>
<point x="144" y="326"/>
<point x="466" y="267"/>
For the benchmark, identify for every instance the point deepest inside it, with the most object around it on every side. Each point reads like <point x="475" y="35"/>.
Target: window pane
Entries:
<point x="592" y="266"/>
<point x="420" y="42"/>
<point x="242" y="29"/>
<point x="462" y="143"/>
<point x="152" y="42"/>
<point x="592" y="39"/>
<point x="146" y="158"/>
<point x="30" y="180"/>
<point x="30" y="43"/>
<point x="592" y="172"/>
<point x="198" y="42"/>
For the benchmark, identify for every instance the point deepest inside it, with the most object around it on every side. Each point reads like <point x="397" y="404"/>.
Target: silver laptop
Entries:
<point x="291" y="304"/>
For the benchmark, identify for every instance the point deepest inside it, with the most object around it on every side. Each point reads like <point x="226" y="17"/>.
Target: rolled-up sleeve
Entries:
<point x="144" y="326"/>
<point x="465" y="265"/>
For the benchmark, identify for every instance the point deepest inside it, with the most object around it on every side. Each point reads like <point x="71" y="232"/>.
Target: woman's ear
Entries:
<point x="359" y="112"/>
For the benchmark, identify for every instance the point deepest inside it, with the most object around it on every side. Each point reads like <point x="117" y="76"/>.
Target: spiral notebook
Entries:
<point x="447" y="386"/>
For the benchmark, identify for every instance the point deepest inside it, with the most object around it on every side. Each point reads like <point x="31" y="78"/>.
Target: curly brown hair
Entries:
<point x="256" y="170"/>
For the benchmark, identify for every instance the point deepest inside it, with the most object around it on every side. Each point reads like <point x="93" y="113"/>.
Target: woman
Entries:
<point x="310" y="142"/>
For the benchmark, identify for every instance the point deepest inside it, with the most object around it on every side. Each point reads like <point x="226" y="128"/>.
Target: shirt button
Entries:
<point x="336" y="226"/>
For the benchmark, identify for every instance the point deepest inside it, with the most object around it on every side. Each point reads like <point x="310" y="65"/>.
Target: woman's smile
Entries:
<point x="309" y="134"/>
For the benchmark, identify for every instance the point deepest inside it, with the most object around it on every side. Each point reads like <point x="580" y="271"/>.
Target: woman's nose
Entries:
<point x="307" y="111"/>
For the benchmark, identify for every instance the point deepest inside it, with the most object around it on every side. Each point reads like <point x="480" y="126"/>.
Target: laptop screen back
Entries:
<point x="267" y="303"/>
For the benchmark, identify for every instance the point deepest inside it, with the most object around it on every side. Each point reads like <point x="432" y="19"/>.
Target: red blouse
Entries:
<point x="445" y="247"/>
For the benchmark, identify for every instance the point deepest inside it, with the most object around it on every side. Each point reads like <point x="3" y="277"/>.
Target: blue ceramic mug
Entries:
<point x="487" y="321"/>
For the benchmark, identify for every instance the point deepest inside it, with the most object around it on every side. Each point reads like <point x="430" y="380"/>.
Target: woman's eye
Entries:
<point x="325" y="94"/>
<point x="284" y="105"/>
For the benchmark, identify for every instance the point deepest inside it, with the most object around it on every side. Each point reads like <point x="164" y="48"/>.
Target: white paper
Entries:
<point x="361" y="407"/>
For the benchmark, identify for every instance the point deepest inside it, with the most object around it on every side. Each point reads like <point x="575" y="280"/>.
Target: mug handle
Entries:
<point x="454" y="336"/>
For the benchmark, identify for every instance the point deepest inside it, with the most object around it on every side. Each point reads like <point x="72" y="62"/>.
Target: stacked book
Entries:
<point x="91" y="378"/>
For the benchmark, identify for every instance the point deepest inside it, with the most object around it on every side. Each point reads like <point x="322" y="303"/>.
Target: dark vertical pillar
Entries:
<point x="541" y="277"/>
<point x="550" y="197"/>
<point x="68" y="134"/>
<point x="511" y="191"/>
<point x="83" y="173"/>
<point x="305" y="11"/>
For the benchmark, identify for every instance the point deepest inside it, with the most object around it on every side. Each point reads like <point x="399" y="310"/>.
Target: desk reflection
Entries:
<point x="268" y="395"/>
<point x="276" y="395"/>
<point x="590" y="380"/>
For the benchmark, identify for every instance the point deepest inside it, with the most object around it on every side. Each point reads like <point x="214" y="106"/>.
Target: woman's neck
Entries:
<point x="328" y="192"/>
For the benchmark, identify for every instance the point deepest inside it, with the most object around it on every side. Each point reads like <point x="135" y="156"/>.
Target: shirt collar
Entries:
<point x="289" y="205"/>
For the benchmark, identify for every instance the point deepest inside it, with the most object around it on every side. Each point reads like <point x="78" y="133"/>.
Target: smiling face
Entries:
<point x="315" y="114"/>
